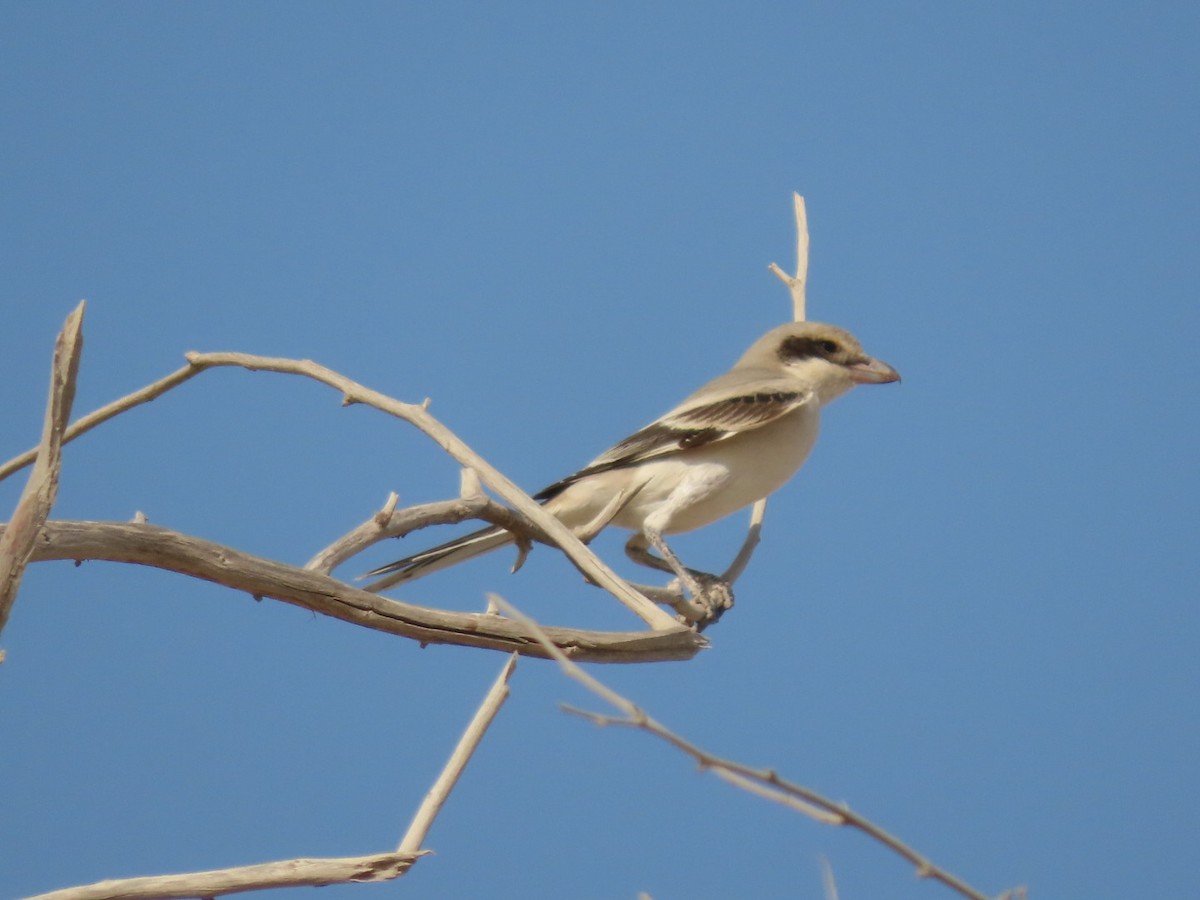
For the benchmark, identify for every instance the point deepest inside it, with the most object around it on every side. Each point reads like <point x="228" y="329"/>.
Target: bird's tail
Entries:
<point x="432" y="560"/>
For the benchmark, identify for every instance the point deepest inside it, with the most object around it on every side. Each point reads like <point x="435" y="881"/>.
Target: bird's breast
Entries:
<point x="724" y="476"/>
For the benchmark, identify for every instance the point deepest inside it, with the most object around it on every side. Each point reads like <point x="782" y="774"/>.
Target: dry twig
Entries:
<point x="467" y="744"/>
<point x="393" y="523"/>
<point x="763" y="782"/>
<point x="797" y="284"/>
<point x="286" y="873"/>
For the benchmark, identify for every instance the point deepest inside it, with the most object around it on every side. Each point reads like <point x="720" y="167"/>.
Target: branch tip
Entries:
<point x="469" y="485"/>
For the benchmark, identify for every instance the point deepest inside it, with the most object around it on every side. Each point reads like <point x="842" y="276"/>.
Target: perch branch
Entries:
<point x="432" y="804"/>
<point x="763" y="782"/>
<point x="16" y="544"/>
<point x="162" y="548"/>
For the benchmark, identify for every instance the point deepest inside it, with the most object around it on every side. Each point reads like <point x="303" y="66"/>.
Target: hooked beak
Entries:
<point x="872" y="371"/>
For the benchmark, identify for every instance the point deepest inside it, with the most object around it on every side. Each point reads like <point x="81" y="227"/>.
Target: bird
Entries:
<point x="733" y="442"/>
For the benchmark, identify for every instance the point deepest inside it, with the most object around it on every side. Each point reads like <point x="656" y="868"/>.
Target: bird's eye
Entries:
<point x="828" y="346"/>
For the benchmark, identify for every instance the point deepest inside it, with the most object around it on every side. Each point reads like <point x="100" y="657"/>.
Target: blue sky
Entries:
<point x="974" y="614"/>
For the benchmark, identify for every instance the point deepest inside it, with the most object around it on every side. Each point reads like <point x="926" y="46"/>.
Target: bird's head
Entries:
<point x="828" y="358"/>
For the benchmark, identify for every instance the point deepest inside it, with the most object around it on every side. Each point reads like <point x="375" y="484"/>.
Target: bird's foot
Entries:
<point x="710" y="597"/>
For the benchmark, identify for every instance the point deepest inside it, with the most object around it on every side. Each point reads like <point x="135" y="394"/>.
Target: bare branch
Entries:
<point x="162" y="548"/>
<point x="432" y="804"/>
<point x="797" y="284"/>
<point x="215" y="883"/>
<point x="764" y="782"/>
<point x="384" y="525"/>
<point x="41" y="489"/>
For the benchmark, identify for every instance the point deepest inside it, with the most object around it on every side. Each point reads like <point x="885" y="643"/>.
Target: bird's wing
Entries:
<point x="711" y="414"/>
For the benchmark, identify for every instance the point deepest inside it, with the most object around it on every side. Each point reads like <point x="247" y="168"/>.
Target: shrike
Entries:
<point x="731" y="443"/>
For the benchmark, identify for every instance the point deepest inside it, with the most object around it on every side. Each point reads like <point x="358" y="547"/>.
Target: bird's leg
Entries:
<point x="710" y="596"/>
<point x="637" y="548"/>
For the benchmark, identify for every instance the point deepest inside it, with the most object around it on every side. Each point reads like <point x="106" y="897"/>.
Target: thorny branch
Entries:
<point x="763" y="782"/>
<point x="152" y="545"/>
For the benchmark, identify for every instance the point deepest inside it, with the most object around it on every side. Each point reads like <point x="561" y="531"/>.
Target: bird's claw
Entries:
<point x="710" y="598"/>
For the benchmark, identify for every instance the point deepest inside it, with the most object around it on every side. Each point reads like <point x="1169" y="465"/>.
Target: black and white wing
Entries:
<point x="698" y="421"/>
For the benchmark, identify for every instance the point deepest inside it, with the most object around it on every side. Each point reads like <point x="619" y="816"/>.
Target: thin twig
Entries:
<point x="816" y="805"/>
<point x="384" y="525"/>
<point x="432" y="804"/>
<point x="797" y="284"/>
<point x="827" y="880"/>
<point x="753" y="536"/>
<point x="17" y="542"/>
<point x="104" y="413"/>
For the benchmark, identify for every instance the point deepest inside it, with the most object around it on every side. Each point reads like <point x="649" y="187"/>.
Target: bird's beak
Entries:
<point x="872" y="371"/>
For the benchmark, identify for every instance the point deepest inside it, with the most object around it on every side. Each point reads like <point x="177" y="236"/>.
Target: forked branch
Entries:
<point x="797" y="284"/>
